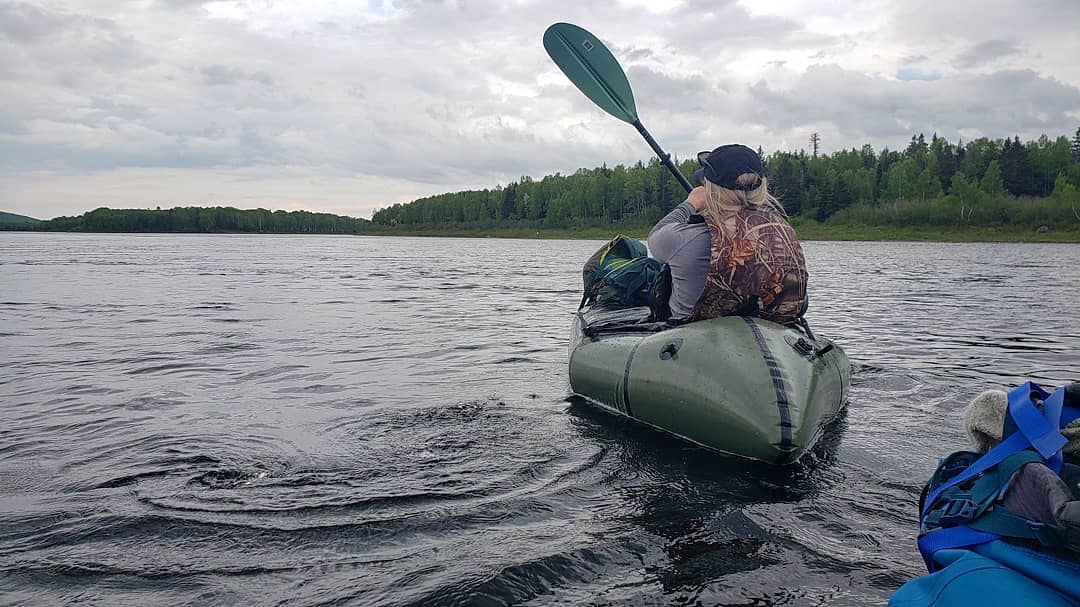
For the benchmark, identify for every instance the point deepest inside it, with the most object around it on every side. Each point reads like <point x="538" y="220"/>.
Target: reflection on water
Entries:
<point x="328" y="420"/>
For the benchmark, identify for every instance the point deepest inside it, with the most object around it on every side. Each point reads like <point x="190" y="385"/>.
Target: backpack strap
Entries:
<point x="1016" y="442"/>
<point x="1042" y="430"/>
<point x="659" y="296"/>
<point x="1006" y="524"/>
<point x="950" y="537"/>
<point x="961" y="518"/>
<point x="958" y="506"/>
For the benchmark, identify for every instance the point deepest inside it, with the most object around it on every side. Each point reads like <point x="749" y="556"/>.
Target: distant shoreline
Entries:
<point x="807" y="231"/>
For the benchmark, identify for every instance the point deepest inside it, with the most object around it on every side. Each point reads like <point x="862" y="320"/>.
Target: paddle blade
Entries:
<point x="592" y="68"/>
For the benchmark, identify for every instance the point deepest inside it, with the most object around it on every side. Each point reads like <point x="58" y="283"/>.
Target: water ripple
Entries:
<point x="324" y="420"/>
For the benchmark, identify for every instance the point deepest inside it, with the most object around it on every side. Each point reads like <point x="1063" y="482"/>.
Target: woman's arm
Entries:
<point x="663" y="240"/>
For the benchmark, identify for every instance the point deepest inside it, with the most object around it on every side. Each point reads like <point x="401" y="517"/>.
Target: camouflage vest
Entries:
<point x="756" y="268"/>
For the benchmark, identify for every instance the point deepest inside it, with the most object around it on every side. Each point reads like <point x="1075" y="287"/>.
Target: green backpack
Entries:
<point x="620" y="272"/>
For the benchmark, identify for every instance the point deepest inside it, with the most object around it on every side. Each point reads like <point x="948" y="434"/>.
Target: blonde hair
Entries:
<point x="719" y="199"/>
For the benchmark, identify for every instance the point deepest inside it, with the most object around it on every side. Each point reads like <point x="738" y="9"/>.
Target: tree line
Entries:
<point x="980" y="182"/>
<point x="205" y="219"/>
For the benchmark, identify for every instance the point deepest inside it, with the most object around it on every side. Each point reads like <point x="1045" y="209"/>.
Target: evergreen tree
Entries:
<point x="785" y="180"/>
<point x="842" y="197"/>
<point x="944" y="156"/>
<point x="1076" y="146"/>
<point x="1016" y="168"/>
<point x="819" y="198"/>
<point x="917" y="150"/>
<point x="867" y="156"/>
<point x="506" y="210"/>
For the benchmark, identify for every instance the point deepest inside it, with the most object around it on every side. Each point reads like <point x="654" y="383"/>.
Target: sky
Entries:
<point x="350" y="106"/>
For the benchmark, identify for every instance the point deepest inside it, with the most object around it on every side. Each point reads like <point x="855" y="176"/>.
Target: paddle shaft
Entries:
<point x="665" y="158"/>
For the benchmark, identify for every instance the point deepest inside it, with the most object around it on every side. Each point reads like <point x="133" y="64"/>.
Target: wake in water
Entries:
<point x="280" y="423"/>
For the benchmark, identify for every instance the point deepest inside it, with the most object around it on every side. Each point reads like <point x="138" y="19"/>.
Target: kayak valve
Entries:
<point x="670" y="349"/>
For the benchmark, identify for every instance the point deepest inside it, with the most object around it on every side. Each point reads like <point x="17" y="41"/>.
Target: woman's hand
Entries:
<point x="696" y="198"/>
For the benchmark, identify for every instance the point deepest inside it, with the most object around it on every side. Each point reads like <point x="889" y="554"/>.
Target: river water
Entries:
<point x="241" y="419"/>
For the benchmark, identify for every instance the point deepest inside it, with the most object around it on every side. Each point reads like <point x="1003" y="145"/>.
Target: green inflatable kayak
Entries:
<point x="740" y="385"/>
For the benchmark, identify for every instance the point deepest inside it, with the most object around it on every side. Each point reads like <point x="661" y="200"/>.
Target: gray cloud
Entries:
<point x="689" y="93"/>
<point x="870" y="108"/>
<point x="180" y="4"/>
<point x="22" y="22"/>
<point x="70" y="48"/>
<point x="985" y="52"/>
<point x="986" y="18"/>
<point x="726" y="29"/>
<point x="441" y="95"/>
<point x="214" y="75"/>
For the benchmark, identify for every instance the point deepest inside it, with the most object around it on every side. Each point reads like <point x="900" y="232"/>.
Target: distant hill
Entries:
<point x="12" y="218"/>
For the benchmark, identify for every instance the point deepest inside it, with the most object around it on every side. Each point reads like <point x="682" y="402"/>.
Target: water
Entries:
<point x="385" y="421"/>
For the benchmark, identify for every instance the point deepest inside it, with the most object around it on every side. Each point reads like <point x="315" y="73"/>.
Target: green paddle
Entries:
<point x="595" y="71"/>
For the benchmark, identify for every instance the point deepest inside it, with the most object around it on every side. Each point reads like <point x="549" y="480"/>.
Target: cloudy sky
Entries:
<point x="348" y="106"/>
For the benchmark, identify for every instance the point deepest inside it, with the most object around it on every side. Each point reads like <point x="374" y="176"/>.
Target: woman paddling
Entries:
<point x="730" y="247"/>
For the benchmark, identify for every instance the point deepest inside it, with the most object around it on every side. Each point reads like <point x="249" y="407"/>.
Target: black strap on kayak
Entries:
<point x="626" y="380"/>
<point x="779" y="386"/>
<point x="646" y="327"/>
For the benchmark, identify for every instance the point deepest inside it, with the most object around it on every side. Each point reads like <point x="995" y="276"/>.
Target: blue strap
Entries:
<point x="950" y="537"/>
<point x="1041" y="429"/>
<point x="1052" y="408"/>
<point x="1016" y="442"/>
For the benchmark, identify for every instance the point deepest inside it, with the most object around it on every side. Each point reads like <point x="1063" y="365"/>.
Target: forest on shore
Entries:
<point x="199" y="220"/>
<point x="983" y="184"/>
<point x="984" y="189"/>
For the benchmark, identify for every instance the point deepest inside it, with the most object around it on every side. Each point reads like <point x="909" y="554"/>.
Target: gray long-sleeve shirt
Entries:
<point x="1040" y="495"/>
<point x="686" y="248"/>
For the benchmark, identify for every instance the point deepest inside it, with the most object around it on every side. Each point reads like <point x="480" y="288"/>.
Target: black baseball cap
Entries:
<point x="725" y="164"/>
